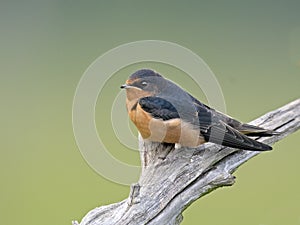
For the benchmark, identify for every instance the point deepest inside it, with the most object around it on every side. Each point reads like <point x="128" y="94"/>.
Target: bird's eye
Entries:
<point x="144" y="83"/>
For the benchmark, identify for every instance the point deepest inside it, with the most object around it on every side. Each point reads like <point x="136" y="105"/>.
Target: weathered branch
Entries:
<point x="173" y="178"/>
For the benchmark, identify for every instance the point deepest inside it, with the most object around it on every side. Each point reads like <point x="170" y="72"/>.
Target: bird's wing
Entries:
<point x="159" y="108"/>
<point x="251" y="130"/>
<point x="247" y="129"/>
<point x="212" y="126"/>
<point x="223" y="134"/>
<point x="221" y="129"/>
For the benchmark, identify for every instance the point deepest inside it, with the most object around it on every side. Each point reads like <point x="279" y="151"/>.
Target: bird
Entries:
<point x="164" y="112"/>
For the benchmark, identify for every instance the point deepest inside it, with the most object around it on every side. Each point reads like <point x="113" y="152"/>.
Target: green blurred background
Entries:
<point x="253" y="47"/>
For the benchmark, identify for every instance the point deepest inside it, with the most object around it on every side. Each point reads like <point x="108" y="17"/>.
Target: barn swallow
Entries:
<point x="164" y="112"/>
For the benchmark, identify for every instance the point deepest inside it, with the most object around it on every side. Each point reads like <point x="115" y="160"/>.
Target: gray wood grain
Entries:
<point x="172" y="178"/>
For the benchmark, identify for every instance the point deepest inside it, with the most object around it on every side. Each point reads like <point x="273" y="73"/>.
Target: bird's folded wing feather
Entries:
<point x="213" y="127"/>
<point x="159" y="108"/>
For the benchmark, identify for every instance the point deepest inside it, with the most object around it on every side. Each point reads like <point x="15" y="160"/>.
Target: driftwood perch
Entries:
<point x="172" y="178"/>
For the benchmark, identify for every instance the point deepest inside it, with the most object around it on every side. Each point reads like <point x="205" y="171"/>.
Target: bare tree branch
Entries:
<point x="173" y="178"/>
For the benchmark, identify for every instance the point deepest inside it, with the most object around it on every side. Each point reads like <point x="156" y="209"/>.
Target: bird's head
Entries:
<point x="142" y="83"/>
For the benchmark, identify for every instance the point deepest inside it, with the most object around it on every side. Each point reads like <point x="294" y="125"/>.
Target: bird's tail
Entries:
<point x="251" y="130"/>
<point x="225" y="135"/>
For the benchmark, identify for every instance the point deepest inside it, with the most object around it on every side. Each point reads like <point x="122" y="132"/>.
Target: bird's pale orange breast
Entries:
<point x="141" y="119"/>
<point x="169" y="131"/>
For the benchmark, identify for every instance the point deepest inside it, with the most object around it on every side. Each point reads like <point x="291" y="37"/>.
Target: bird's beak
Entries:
<point x="124" y="86"/>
